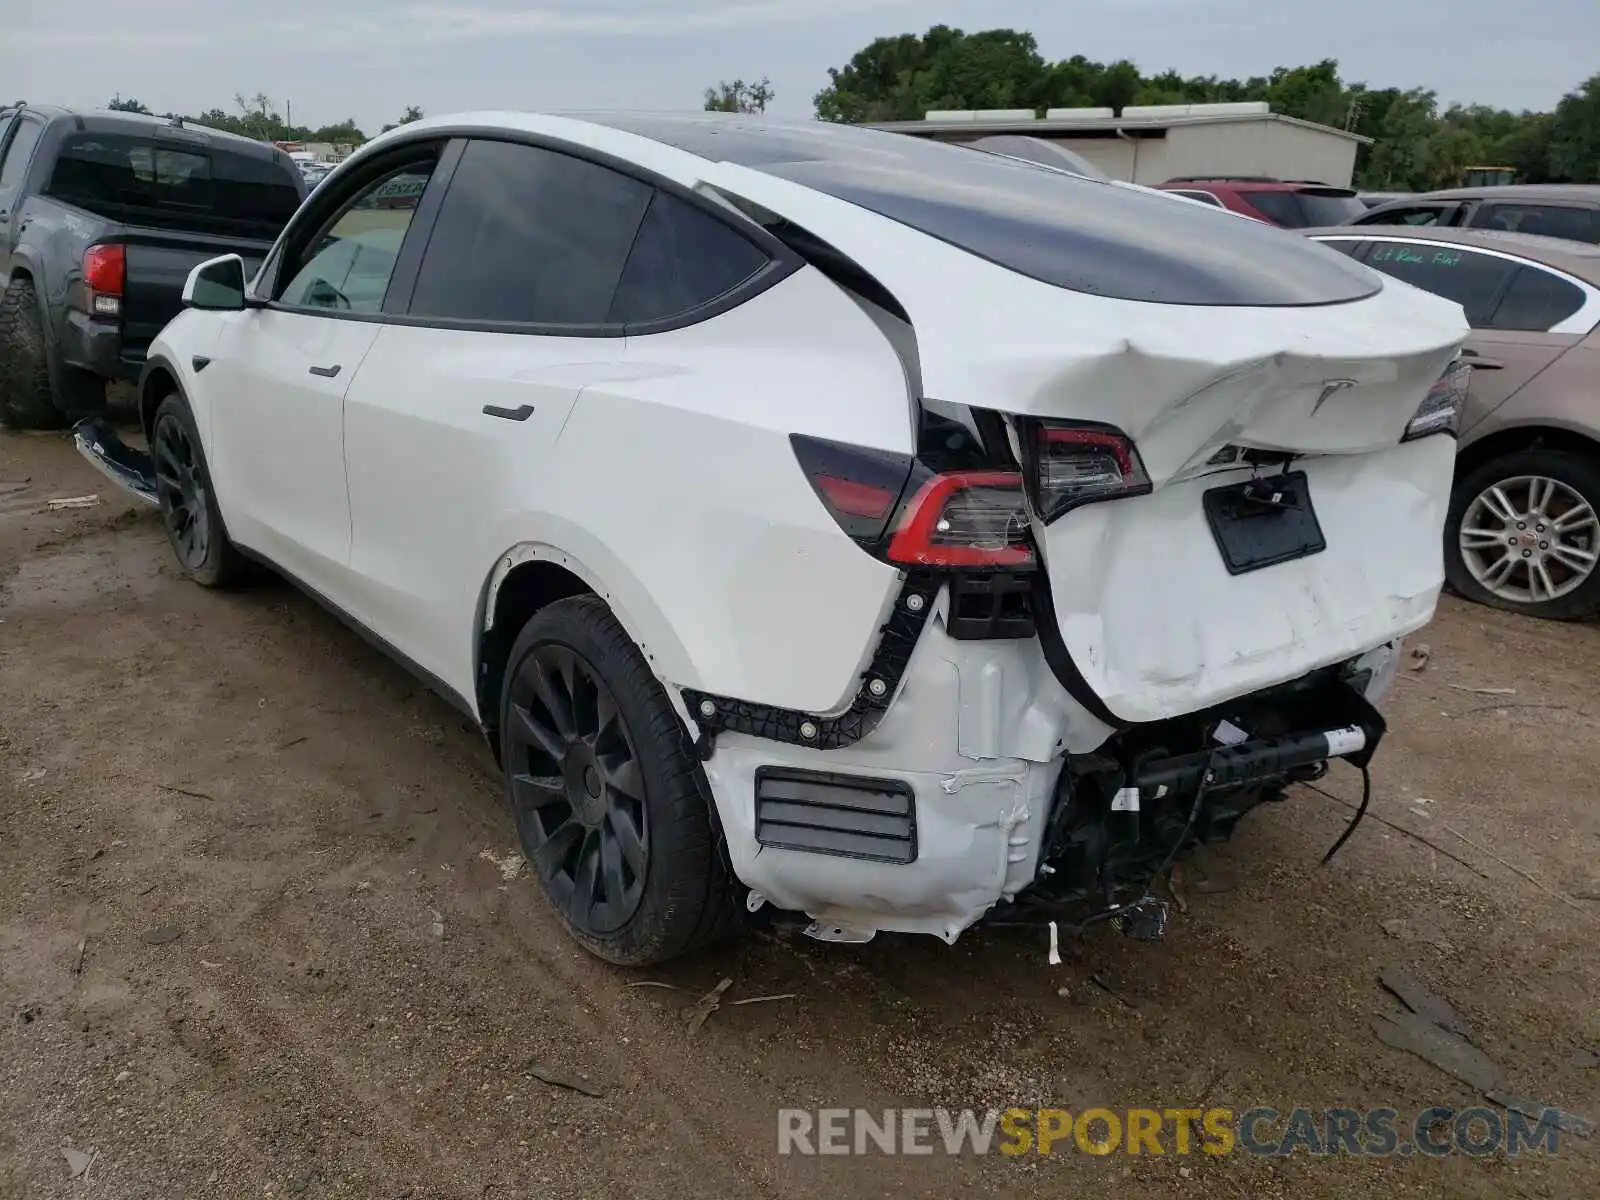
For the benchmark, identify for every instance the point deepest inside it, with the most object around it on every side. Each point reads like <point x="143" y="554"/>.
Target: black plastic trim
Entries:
<point x="843" y="816"/>
<point x="521" y="413"/>
<point x="897" y="639"/>
<point x="1059" y="658"/>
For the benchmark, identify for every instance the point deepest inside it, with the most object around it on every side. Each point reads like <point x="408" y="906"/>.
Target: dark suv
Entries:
<point x="1570" y="211"/>
<point x="102" y="216"/>
<point x="1293" y="204"/>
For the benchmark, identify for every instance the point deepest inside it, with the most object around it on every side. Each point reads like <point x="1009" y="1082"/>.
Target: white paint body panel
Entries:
<point x="659" y="469"/>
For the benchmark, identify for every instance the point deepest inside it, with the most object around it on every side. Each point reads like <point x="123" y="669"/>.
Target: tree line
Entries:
<point x="1416" y="146"/>
<point x="258" y="117"/>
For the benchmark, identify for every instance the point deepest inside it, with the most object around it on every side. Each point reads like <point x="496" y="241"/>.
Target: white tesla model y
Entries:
<point x="818" y="517"/>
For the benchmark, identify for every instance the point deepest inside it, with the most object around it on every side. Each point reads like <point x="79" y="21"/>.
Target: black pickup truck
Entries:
<point x="102" y="216"/>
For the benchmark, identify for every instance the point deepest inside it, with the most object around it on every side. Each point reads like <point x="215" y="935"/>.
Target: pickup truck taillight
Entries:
<point x="105" y="268"/>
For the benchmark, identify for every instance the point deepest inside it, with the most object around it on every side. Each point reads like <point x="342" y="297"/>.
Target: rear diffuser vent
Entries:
<point x="844" y="815"/>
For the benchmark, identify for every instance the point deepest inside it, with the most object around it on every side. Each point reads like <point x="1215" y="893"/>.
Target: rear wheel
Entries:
<point x="607" y="796"/>
<point x="1524" y="534"/>
<point x="188" y="503"/>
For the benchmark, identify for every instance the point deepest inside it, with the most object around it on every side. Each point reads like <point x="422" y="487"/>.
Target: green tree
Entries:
<point x="412" y="113"/>
<point x="739" y="96"/>
<point x="346" y="132"/>
<point x="1574" y="150"/>
<point x="118" y="104"/>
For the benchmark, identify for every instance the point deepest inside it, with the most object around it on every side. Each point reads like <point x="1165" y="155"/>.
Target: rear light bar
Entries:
<point x="105" y="270"/>
<point x="1070" y="464"/>
<point x="1440" y="411"/>
<point x="899" y="510"/>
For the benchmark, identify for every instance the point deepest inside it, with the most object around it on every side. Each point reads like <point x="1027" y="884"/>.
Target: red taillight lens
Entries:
<point x="1068" y="465"/>
<point x="965" y="519"/>
<point x="104" y="270"/>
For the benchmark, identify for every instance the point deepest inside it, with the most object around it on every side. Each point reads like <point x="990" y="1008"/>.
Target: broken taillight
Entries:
<point x="899" y="510"/>
<point x="966" y="519"/>
<point x="1440" y="410"/>
<point x="1070" y="464"/>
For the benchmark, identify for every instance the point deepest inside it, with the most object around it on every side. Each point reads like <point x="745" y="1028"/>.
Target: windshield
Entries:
<point x="1307" y="207"/>
<point x="145" y="180"/>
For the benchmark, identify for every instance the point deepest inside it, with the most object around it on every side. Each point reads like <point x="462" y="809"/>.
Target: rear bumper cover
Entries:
<point x="97" y="347"/>
<point x="974" y="743"/>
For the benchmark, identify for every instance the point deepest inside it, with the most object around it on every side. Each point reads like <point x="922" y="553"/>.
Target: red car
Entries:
<point x="1293" y="204"/>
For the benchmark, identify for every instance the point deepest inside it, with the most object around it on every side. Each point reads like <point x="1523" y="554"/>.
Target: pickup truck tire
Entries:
<point x="1521" y="510"/>
<point x="611" y="808"/>
<point x="26" y="398"/>
<point x="187" y="500"/>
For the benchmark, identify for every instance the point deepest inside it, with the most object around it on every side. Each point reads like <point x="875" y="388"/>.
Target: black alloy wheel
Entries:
<point x="181" y="490"/>
<point x="577" y="789"/>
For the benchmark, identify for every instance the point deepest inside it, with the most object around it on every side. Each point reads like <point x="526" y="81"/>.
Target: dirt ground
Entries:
<point x="250" y="943"/>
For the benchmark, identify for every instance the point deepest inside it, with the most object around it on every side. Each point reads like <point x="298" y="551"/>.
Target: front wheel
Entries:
<point x="1523" y="534"/>
<point x="188" y="502"/>
<point x="608" y="800"/>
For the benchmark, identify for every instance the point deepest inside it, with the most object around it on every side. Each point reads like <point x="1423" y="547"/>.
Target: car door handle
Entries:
<point x="1479" y="363"/>
<point x="521" y="413"/>
<point x="327" y="372"/>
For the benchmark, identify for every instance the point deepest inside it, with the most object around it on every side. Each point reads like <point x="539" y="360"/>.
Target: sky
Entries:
<point x="369" y="59"/>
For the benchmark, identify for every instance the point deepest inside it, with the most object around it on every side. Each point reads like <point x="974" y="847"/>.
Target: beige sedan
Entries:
<point x="1523" y="533"/>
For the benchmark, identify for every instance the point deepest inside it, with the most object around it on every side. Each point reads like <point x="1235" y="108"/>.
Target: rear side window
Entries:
<point x="1546" y="220"/>
<point x="682" y="259"/>
<point x="1536" y="300"/>
<point x="19" y="153"/>
<point x="150" y="181"/>
<point x="529" y="236"/>
<point x="1472" y="280"/>
<point x="1304" y="209"/>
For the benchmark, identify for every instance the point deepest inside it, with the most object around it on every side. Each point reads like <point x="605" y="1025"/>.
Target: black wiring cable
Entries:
<point x="1361" y="811"/>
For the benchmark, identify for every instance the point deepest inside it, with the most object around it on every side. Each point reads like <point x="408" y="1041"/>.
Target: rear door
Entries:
<point x="451" y="420"/>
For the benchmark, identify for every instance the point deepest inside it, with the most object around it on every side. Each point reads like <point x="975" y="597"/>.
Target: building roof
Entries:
<point x="1062" y="127"/>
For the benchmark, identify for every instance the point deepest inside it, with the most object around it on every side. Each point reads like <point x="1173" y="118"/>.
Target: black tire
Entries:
<point x="26" y="398"/>
<point x="610" y="804"/>
<point x="1579" y="474"/>
<point x="188" y="503"/>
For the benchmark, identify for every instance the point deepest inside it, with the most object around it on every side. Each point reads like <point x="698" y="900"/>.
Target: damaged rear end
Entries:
<point x="1199" y="465"/>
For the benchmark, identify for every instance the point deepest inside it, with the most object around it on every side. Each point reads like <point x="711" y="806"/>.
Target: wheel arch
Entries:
<point x="1516" y="438"/>
<point x="157" y="380"/>
<point x="530" y="576"/>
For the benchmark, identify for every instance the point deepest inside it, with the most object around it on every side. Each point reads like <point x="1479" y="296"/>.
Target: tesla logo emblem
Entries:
<point x="1330" y="388"/>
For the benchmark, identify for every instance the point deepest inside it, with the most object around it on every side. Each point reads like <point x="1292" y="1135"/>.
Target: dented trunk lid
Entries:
<point x="1326" y="370"/>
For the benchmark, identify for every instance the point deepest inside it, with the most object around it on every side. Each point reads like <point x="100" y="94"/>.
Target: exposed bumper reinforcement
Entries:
<point x="129" y="468"/>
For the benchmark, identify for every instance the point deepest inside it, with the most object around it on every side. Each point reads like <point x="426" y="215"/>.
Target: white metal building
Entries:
<point x="1154" y="143"/>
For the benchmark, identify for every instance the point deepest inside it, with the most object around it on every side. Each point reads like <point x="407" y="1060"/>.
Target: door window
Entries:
<point x="528" y="236"/>
<point x="683" y="258"/>
<point x="1546" y="220"/>
<point x="1419" y="214"/>
<point x="1472" y="280"/>
<point x="1536" y="300"/>
<point x="18" y="154"/>
<point x="1354" y="247"/>
<point x="351" y="261"/>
